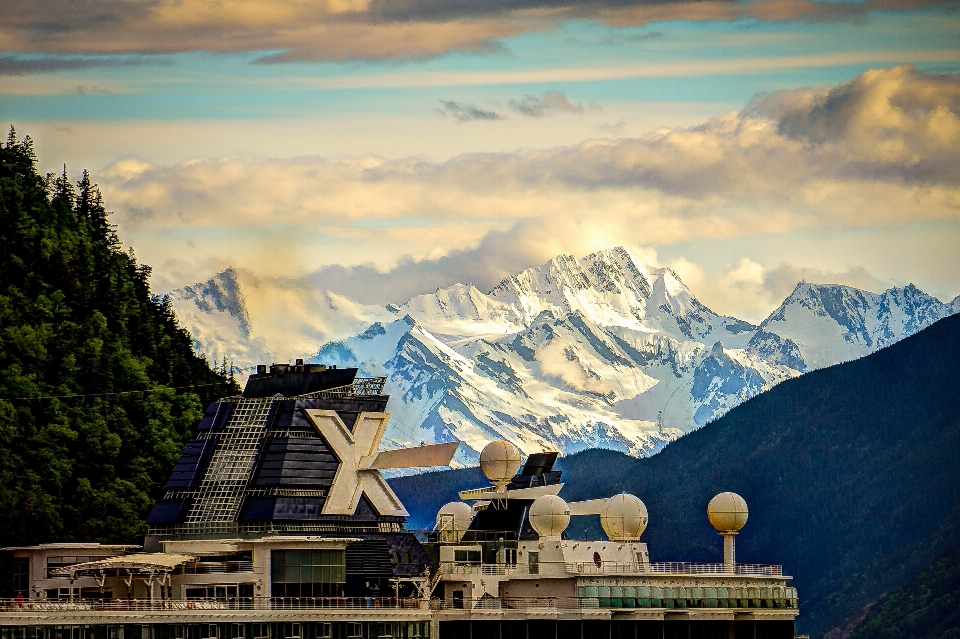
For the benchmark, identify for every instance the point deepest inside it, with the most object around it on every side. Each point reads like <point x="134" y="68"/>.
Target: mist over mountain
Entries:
<point x="851" y="474"/>
<point x="603" y="351"/>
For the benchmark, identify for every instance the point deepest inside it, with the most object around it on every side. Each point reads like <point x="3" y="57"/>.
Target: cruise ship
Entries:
<point x="277" y="524"/>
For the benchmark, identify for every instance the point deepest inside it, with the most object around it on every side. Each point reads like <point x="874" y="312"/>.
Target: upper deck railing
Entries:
<point x="360" y="386"/>
<point x="220" y="603"/>
<point x="611" y="568"/>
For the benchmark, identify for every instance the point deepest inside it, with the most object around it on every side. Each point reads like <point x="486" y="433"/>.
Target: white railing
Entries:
<point x="567" y="603"/>
<point x="610" y="568"/>
<point x="686" y="568"/>
<point x="220" y="603"/>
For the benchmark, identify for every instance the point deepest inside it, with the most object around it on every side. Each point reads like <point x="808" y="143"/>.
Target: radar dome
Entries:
<point x="453" y="519"/>
<point x="500" y="461"/>
<point x="549" y="516"/>
<point x="623" y="517"/>
<point x="727" y="512"/>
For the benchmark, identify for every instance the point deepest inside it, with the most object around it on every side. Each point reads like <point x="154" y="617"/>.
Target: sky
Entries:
<point x="384" y="148"/>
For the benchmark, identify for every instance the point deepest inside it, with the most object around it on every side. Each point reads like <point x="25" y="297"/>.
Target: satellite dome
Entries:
<point x="500" y="461"/>
<point x="727" y="512"/>
<point x="623" y="517"/>
<point x="453" y="519"/>
<point x="549" y="516"/>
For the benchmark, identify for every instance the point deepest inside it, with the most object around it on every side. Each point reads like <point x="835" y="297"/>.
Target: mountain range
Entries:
<point x="603" y="351"/>
<point x="850" y="473"/>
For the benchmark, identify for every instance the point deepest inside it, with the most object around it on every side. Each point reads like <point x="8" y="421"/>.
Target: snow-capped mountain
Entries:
<point x="603" y="351"/>
<point x="600" y="351"/>
<point x="248" y="320"/>
<point x="820" y="325"/>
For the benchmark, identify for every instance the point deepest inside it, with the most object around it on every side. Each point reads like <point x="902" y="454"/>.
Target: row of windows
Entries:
<point x="316" y="589"/>
<point x="307" y="566"/>
<point x="644" y="597"/>
<point x="312" y="630"/>
<point x="465" y="556"/>
<point x="688" y="593"/>
<point x="220" y="592"/>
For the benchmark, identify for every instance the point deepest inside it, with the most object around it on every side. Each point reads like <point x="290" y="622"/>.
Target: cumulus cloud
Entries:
<point x="356" y="29"/>
<point x="551" y="102"/>
<point x="750" y="291"/>
<point x="466" y="112"/>
<point x="879" y="151"/>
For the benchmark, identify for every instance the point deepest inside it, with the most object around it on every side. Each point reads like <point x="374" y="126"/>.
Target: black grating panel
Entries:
<point x="216" y="416"/>
<point x="296" y="461"/>
<point x="282" y="415"/>
<point x="192" y="465"/>
<point x="298" y="508"/>
<point x="223" y="414"/>
<point x="282" y="509"/>
<point x="169" y="511"/>
<point x="258" y="509"/>
<point x="370" y="558"/>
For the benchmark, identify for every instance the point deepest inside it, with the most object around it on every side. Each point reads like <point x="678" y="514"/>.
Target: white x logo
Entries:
<point x="356" y="451"/>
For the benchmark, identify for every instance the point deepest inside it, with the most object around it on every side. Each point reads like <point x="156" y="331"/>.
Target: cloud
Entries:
<point x="551" y="102"/>
<point x="87" y="89"/>
<point x="466" y="112"/>
<point x="748" y="290"/>
<point x="878" y="152"/>
<point x="357" y="29"/>
<point x="28" y="65"/>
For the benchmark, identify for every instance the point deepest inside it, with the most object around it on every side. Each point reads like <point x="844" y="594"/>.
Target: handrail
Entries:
<point x="361" y="386"/>
<point x="788" y="602"/>
<point x="207" y="603"/>
<point x="611" y="568"/>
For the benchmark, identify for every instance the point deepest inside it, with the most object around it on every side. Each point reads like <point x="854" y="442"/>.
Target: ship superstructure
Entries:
<point x="277" y="524"/>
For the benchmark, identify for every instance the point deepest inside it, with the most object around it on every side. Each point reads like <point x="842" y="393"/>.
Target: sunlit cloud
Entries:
<point x="751" y="290"/>
<point x="879" y="151"/>
<point x="357" y="29"/>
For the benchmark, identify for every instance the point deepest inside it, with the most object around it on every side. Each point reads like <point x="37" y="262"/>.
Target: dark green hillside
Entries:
<point x="927" y="607"/>
<point x="852" y="475"/>
<point x="82" y="457"/>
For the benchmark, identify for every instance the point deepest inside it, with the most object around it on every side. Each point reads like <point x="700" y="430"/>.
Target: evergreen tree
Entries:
<point x="95" y="373"/>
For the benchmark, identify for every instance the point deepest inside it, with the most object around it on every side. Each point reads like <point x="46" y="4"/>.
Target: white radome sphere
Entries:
<point x="453" y="519"/>
<point x="727" y="512"/>
<point x="455" y="515"/>
<point x="623" y="517"/>
<point x="500" y="461"/>
<point x="549" y="515"/>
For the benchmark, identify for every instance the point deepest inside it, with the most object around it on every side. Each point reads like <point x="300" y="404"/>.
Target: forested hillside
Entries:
<point x="851" y="473"/>
<point x="926" y="607"/>
<point x="99" y="386"/>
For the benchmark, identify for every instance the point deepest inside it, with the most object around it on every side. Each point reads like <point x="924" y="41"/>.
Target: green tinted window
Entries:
<point x="308" y="566"/>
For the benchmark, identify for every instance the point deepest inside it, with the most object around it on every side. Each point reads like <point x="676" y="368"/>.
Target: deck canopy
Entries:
<point x="147" y="563"/>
